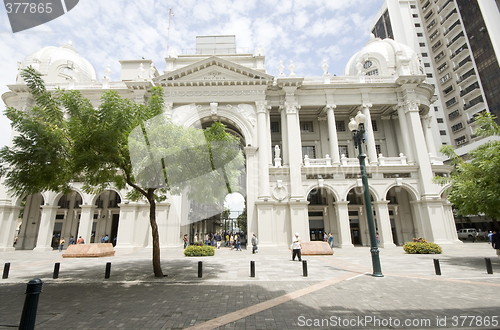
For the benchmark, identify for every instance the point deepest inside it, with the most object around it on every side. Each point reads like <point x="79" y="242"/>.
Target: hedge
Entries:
<point x="421" y="246"/>
<point x="199" y="251"/>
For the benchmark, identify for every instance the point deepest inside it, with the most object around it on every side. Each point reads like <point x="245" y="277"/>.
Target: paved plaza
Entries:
<point x="338" y="292"/>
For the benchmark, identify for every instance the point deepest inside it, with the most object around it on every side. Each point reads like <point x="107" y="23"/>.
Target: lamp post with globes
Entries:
<point x="356" y="125"/>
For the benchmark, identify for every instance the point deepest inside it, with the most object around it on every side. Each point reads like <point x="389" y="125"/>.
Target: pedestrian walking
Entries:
<point x="495" y="241"/>
<point x="296" y="247"/>
<point x="330" y="240"/>
<point x="218" y="239"/>
<point x="185" y="239"/>
<point x="61" y="244"/>
<point x="231" y="241"/>
<point x="80" y="240"/>
<point x="255" y="241"/>
<point x="238" y="243"/>
<point x="490" y="235"/>
<point x="71" y="240"/>
<point x="106" y="238"/>
<point x="227" y="240"/>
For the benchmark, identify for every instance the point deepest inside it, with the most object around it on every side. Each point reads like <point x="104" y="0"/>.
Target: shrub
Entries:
<point x="421" y="246"/>
<point x="199" y="251"/>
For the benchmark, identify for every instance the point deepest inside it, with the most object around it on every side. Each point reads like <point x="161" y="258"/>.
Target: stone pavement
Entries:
<point x="338" y="293"/>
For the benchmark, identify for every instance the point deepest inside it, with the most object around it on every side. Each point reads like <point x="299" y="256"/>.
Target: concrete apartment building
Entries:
<point x="459" y="49"/>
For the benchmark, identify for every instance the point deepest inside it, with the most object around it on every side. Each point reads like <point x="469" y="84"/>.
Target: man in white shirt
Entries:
<point x="296" y="247"/>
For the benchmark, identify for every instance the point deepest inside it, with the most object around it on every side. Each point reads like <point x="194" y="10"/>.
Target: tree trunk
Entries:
<point x="154" y="232"/>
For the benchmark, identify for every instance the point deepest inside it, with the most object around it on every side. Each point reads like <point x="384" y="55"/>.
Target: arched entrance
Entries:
<point x="321" y="214"/>
<point x="67" y="221"/>
<point x="401" y="215"/>
<point x="205" y="219"/>
<point x="106" y="217"/>
<point x="358" y="223"/>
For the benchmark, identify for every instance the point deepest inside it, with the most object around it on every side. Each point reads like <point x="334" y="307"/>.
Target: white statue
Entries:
<point x="152" y="71"/>
<point x="107" y="72"/>
<point x="277" y="151"/>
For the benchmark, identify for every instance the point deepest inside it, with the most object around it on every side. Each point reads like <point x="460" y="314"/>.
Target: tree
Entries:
<point x="63" y="138"/>
<point x="475" y="183"/>
<point x="241" y="221"/>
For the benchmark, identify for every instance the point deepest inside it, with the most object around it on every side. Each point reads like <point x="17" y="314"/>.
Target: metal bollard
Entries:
<point x="28" y="316"/>
<point x="437" y="268"/>
<point x="304" y="268"/>
<point x="56" y="270"/>
<point x="6" y="269"/>
<point x="200" y="269"/>
<point x="108" y="270"/>
<point x="252" y="268"/>
<point x="489" y="269"/>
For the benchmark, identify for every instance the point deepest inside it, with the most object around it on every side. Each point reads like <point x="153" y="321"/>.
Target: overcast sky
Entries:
<point x="106" y="31"/>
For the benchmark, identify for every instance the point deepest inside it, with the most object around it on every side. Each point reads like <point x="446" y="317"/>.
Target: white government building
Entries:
<point x="302" y="174"/>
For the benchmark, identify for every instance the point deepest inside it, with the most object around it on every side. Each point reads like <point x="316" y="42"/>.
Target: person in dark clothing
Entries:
<point x="495" y="241"/>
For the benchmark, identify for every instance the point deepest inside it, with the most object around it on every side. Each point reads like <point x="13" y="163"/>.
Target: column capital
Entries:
<point x="330" y="106"/>
<point x="292" y="107"/>
<point x="428" y="120"/>
<point x="262" y="106"/>
<point x="411" y="106"/>
<point x="366" y="105"/>
<point x="250" y="151"/>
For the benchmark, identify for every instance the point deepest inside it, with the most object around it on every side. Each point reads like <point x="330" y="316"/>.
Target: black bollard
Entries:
<point x="200" y="269"/>
<point x="304" y="268"/>
<point x="28" y="317"/>
<point x="56" y="270"/>
<point x="437" y="268"/>
<point x="252" y="268"/>
<point x="489" y="269"/>
<point x="108" y="270"/>
<point x="6" y="269"/>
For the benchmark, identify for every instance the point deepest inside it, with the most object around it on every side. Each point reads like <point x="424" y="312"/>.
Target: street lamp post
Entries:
<point x="356" y="125"/>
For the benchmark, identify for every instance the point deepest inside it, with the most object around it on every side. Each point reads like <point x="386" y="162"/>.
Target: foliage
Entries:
<point x="241" y="221"/>
<point x="64" y="138"/>
<point x="475" y="183"/>
<point x="421" y="246"/>
<point x="199" y="251"/>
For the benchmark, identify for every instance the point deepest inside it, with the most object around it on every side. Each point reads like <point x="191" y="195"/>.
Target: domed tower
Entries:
<point x="59" y="65"/>
<point x="384" y="58"/>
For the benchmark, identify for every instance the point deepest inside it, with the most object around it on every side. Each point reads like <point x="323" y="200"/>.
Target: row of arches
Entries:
<point x="106" y="213"/>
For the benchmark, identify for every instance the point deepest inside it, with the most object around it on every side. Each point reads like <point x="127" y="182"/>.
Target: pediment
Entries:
<point x="214" y="69"/>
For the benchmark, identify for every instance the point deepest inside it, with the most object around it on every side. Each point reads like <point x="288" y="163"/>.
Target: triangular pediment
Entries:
<point x="214" y="69"/>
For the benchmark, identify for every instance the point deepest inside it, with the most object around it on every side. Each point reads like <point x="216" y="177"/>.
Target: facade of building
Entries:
<point x="459" y="50"/>
<point x="301" y="170"/>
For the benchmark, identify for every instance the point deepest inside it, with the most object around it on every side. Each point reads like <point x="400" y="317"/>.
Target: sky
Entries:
<point x="104" y="32"/>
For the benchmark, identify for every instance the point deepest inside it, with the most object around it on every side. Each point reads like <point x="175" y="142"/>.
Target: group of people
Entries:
<point x="80" y="240"/>
<point x="232" y="240"/>
<point x="329" y="239"/>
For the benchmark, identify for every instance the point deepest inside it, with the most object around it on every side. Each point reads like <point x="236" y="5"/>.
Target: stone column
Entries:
<point x="284" y="137"/>
<point x="343" y="224"/>
<point x="46" y="229"/>
<point x="8" y="222"/>
<point x="299" y="219"/>
<point x="421" y="153"/>
<point x="126" y="228"/>
<point x="294" y="143"/>
<point x="264" y="145"/>
<point x="384" y="224"/>
<point x="429" y="139"/>
<point x="86" y="220"/>
<point x="370" y="138"/>
<point x="332" y="134"/>
<point x="403" y="125"/>
<point x="252" y="188"/>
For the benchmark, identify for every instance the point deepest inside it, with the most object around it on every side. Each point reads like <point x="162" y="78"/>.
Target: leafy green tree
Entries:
<point x="241" y="221"/>
<point x="64" y="138"/>
<point x="475" y="183"/>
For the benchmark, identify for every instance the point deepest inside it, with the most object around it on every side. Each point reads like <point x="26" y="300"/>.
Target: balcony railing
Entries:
<point x="444" y="6"/>
<point x="458" y="51"/>
<point x="454" y="11"/>
<point x="462" y="63"/>
<point x="466" y="75"/>
<point x="469" y="89"/>
<point x="473" y="102"/>
<point x="451" y="28"/>
<point x="458" y="36"/>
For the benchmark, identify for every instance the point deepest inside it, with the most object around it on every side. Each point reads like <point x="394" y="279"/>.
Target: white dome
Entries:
<point x="384" y="58"/>
<point x="59" y="65"/>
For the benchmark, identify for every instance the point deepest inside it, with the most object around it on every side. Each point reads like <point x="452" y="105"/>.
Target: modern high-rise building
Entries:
<point x="459" y="53"/>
